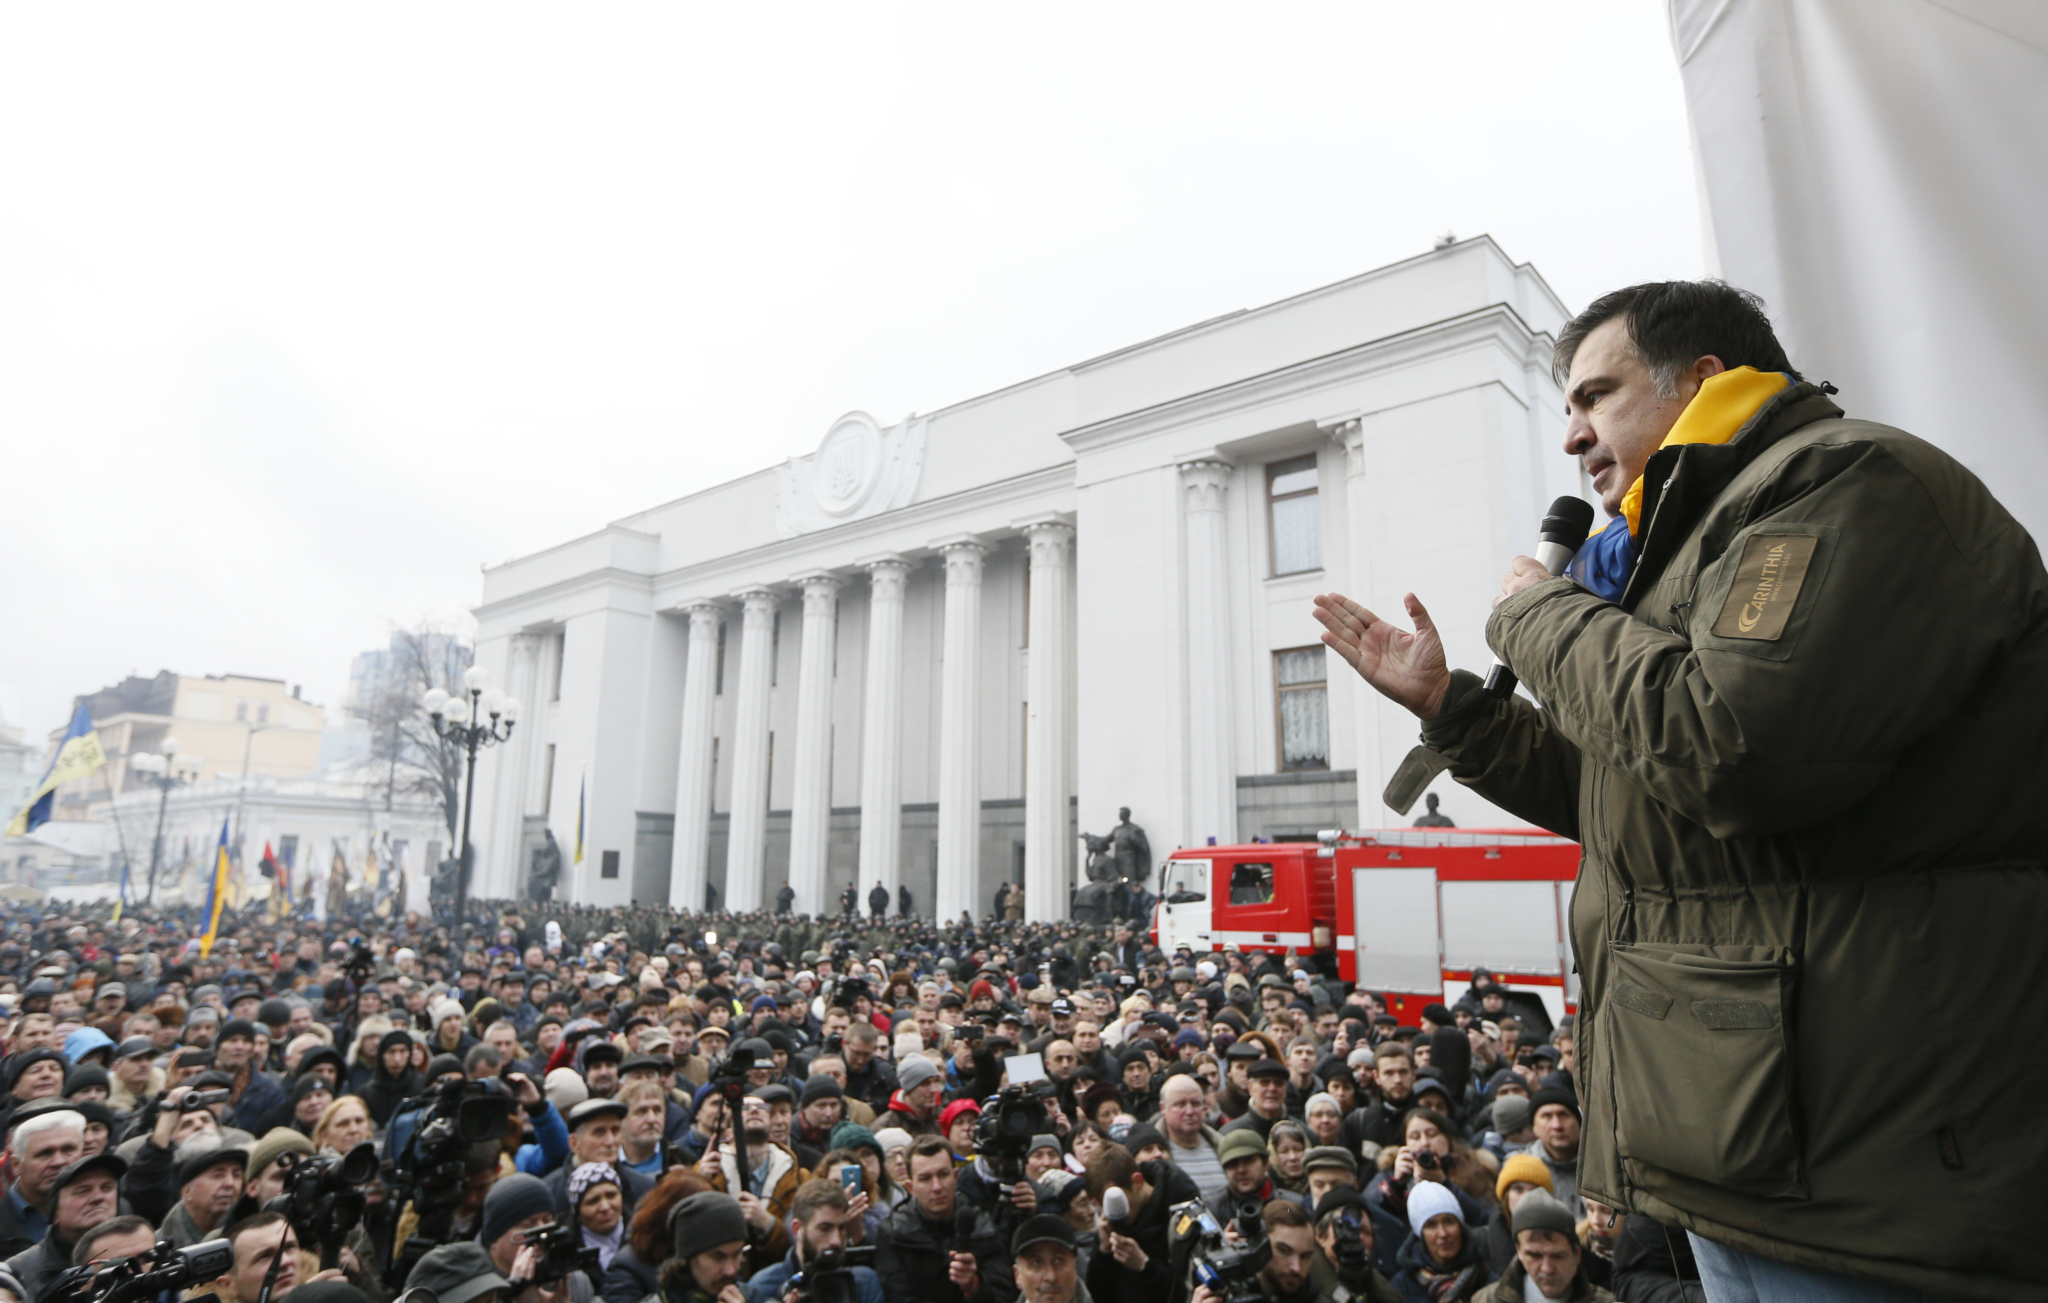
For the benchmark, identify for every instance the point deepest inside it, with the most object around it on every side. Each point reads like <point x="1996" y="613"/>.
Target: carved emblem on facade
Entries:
<point x="860" y="470"/>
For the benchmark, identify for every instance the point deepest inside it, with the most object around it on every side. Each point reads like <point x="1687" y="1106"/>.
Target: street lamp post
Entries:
<point x="490" y="717"/>
<point x="242" y="796"/>
<point x="165" y="772"/>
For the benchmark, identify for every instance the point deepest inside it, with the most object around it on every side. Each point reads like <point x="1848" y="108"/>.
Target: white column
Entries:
<point x="1212" y="777"/>
<point x="501" y="859"/>
<point x="810" y="807"/>
<point x="690" y="861"/>
<point x="959" y="734"/>
<point x="1368" y="731"/>
<point x="881" y="731"/>
<point x="1047" y="785"/>
<point x="747" y="842"/>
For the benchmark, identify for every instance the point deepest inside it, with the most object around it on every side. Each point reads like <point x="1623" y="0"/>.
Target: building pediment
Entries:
<point x="859" y="470"/>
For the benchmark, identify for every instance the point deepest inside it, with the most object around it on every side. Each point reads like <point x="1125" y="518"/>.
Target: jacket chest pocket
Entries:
<point x="1702" y="1065"/>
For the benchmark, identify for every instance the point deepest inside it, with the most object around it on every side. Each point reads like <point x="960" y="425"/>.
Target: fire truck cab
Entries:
<point x="1409" y="913"/>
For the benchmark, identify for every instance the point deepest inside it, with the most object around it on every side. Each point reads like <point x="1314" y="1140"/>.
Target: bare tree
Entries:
<point x="408" y="758"/>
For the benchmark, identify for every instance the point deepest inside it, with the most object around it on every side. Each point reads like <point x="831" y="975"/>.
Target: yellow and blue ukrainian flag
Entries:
<point x="121" y="900"/>
<point x="77" y="755"/>
<point x="216" y="892"/>
<point x="581" y="783"/>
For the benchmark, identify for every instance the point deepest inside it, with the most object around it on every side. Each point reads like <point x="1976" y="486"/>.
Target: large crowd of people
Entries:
<point x="768" y="1107"/>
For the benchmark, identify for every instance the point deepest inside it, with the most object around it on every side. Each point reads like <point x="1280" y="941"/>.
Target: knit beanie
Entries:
<point x="1511" y="1113"/>
<point x="704" y="1221"/>
<point x="1553" y="1095"/>
<point x="818" y="1088"/>
<point x="892" y="1139"/>
<point x="914" y="1072"/>
<point x="1522" y="1167"/>
<point x="511" y="1201"/>
<point x="852" y="1135"/>
<point x="1539" y="1211"/>
<point x="1432" y="1199"/>
<point x="445" y="1009"/>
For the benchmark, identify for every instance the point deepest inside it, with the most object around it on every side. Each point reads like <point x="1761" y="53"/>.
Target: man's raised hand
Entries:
<point x="1406" y="668"/>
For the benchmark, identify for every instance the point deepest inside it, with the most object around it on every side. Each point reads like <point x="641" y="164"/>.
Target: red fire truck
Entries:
<point x="1408" y="912"/>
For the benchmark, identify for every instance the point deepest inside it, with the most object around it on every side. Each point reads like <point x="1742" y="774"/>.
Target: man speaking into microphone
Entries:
<point x="1794" y="707"/>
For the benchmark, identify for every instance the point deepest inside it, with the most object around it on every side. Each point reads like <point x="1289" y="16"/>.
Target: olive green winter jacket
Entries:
<point x="1807" y="759"/>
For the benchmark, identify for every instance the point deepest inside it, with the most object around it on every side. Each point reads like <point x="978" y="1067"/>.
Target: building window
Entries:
<point x="1300" y="678"/>
<point x="242" y="711"/>
<point x="1294" y="516"/>
<point x="263" y="714"/>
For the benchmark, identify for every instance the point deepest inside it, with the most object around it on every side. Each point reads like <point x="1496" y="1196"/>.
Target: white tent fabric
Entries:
<point x="1877" y="170"/>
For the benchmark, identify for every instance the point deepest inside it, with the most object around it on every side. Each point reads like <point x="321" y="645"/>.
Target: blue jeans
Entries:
<point x="1737" y="1276"/>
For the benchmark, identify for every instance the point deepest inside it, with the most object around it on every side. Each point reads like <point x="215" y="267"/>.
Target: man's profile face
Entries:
<point x="126" y="1244"/>
<point x="1294" y="1249"/>
<point x="1614" y="417"/>
<point x="254" y="1252"/>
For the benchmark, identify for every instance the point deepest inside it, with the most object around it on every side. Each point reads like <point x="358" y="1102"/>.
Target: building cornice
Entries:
<point x="1498" y="323"/>
<point x="605" y="576"/>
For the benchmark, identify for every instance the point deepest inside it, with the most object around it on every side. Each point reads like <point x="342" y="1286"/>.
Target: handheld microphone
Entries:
<point x="1564" y="528"/>
<point x="1116" y="1208"/>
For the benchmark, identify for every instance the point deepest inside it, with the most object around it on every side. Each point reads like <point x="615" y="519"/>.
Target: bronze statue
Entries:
<point x="1119" y="865"/>
<point x="546" y="869"/>
<point x="1432" y="819"/>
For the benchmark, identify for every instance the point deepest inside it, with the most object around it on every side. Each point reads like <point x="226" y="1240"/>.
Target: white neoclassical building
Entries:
<point x="933" y="650"/>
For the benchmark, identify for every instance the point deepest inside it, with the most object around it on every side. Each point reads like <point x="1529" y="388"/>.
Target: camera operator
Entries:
<point x="1345" y="1242"/>
<point x="258" y="1241"/>
<point x="79" y="1198"/>
<point x="1133" y="1262"/>
<point x="710" y="1237"/>
<point x="1286" y="1276"/>
<point x="458" y="1273"/>
<point x="770" y="1186"/>
<point x="933" y="1249"/>
<point x="818" y="1221"/>
<point x="121" y="1237"/>
<point x="517" y="1205"/>
<point x="1247" y="1182"/>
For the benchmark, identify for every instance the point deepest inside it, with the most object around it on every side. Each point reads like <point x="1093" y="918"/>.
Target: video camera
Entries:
<point x="429" y="1170"/>
<point x="561" y="1254"/>
<point x="194" y="1100"/>
<point x="164" y="1269"/>
<point x="730" y="1080"/>
<point x="323" y="1197"/>
<point x="1229" y="1268"/>
<point x="828" y="1278"/>
<point x="1008" y="1122"/>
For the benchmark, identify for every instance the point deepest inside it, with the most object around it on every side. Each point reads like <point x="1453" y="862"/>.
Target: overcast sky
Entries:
<point x="307" y="311"/>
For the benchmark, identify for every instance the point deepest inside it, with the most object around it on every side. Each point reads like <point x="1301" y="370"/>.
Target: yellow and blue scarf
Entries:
<point x="1724" y="404"/>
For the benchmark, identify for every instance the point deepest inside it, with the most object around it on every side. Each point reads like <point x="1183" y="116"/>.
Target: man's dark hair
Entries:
<point x="813" y="1195"/>
<point x="1672" y="324"/>
<point x="253" y="1222"/>
<point x="925" y="1147"/>
<point x="1284" y="1212"/>
<point x="81" y="1253"/>
<point x="484" y="1056"/>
